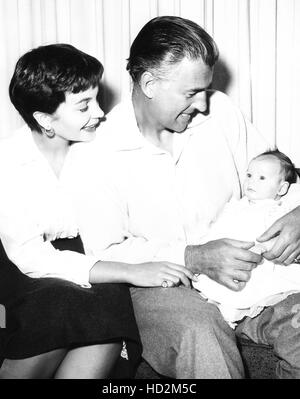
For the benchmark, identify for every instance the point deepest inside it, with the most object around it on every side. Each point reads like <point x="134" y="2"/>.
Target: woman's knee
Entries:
<point x="90" y="362"/>
<point x="42" y="366"/>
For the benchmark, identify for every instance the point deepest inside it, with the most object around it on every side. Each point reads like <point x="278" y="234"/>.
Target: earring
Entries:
<point x="50" y="133"/>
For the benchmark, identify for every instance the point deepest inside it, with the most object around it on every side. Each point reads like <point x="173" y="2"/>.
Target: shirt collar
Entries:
<point x="24" y="147"/>
<point x="127" y="136"/>
<point x="122" y="133"/>
<point x="27" y="152"/>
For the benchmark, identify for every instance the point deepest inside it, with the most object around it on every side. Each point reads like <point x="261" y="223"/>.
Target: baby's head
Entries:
<point x="269" y="176"/>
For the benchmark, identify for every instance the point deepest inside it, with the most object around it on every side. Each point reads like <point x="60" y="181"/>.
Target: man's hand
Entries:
<point x="229" y="262"/>
<point x="287" y="245"/>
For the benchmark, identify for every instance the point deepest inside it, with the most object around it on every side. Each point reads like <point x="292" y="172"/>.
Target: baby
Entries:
<point x="269" y="193"/>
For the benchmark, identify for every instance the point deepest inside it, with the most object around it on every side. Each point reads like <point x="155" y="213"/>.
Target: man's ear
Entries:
<point x="147" y="83"/>
<point x="43" y="119"/>
<point x="283" y="188"/>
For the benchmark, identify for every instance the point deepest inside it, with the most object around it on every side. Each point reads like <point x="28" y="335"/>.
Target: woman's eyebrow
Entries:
<point x="83" y="100"/>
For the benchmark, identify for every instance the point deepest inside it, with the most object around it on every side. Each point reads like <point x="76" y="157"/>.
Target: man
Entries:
<point x="175" y="154"/>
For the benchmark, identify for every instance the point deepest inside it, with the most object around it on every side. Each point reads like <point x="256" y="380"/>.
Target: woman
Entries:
<point x="67" y="316"/>
<point x="64" y="317"/>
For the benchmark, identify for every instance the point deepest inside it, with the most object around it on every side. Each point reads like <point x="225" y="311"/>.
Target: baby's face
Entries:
<point x="263" y="179"/>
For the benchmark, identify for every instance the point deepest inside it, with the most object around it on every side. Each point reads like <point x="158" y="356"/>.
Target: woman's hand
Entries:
<point x="152" y="274"/>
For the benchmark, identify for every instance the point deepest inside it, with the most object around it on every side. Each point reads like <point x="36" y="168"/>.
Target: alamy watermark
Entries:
<point x="2" y="316"/>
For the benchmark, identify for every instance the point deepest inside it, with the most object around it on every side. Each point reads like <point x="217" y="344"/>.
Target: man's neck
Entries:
<point x="148" y="127"/>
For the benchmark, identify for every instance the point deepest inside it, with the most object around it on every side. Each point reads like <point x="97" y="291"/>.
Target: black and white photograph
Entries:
<point x="149" y="192"/>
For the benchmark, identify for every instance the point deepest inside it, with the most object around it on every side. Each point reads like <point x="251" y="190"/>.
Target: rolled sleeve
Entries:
<point x="38" y="259"/>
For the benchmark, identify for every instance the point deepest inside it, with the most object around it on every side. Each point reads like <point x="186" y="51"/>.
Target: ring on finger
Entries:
<point x="165" y="284"/>
<point x="297" y="260"/>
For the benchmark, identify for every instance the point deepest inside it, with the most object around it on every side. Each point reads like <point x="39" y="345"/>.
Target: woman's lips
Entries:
<point x="92" y="127"/>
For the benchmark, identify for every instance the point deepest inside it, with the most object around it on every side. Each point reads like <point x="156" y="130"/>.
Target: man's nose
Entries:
<point x="200" y="102"/>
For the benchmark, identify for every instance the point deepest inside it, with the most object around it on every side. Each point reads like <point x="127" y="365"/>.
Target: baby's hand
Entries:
<point x="258" y="249"/>
<point x="261" y="247"/>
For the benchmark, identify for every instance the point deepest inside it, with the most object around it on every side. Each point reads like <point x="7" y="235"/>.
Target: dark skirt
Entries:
<point x="43" y="314"/>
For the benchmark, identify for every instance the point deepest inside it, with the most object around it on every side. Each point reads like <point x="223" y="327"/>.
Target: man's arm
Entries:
<point x="229" y="262"/>
<point x="104" y="229"/>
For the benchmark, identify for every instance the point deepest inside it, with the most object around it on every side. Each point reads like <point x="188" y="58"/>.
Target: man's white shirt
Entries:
<point x="144" y="204"/>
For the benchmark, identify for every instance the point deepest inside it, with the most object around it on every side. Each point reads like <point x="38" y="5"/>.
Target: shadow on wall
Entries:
<point x="222" y="76"/>
<point x="106" y="98"/>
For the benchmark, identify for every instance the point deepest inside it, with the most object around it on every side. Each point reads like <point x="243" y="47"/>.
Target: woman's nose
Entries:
<point x="97" y="111"/>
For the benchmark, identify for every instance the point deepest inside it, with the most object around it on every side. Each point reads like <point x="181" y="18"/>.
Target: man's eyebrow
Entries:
<point x="196" y="89"/>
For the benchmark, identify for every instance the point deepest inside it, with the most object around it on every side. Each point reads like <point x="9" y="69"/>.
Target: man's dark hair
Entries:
<point x="45" y="74"/>
<point x="168" y="40"/>
<point x="287" y="167"/>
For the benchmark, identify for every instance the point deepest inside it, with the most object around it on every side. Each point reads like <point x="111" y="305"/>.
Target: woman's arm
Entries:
<point x="150" y="274"/>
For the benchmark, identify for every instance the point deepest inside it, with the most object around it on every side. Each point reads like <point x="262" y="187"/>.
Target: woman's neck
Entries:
<point x="53" y="149"/>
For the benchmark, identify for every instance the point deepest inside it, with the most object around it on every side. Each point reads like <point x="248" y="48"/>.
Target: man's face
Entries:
<point x="179" y="94"/>
<point x="263" y="179"/>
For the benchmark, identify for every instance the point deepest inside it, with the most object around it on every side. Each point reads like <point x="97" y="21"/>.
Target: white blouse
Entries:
<point x="36" y="207"/>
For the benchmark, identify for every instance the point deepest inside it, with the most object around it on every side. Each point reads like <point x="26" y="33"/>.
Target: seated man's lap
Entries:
<point x="279" y="327"/>
<point x="272" y="322"/>
<point x="179" y="305"/>
<point x="178" y="326"/>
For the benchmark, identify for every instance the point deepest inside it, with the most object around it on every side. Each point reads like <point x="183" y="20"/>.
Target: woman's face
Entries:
<point x="77" y="118"/>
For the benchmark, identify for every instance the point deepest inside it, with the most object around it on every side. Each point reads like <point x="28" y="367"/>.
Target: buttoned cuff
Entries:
<point x="82" y="274"/>
<point x="78" y="272"/>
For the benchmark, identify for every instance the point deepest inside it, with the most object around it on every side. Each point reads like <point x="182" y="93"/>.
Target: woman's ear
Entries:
<point x="43" y="119"/>
<point x="283" y="188"/>
<point x="147" y="83"/>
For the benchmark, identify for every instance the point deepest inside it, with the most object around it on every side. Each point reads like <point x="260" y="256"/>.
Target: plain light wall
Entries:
<point x="259" y="42"/>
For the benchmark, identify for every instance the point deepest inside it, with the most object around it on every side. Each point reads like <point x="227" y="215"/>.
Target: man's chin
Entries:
<point x="181" y="128"/>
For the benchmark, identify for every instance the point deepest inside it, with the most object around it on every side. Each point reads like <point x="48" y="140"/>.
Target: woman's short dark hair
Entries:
<point x="288" y="169"/>
<point x="45" y="74"/>
<point x="169" y="39"/>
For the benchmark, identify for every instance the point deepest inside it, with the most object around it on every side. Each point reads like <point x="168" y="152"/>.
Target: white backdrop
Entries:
<point x="259" y="42"/>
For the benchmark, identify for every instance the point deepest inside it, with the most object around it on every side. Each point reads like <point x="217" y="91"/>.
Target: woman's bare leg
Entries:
<point x="40" y="366"/>
<point x="90" y="362"/>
